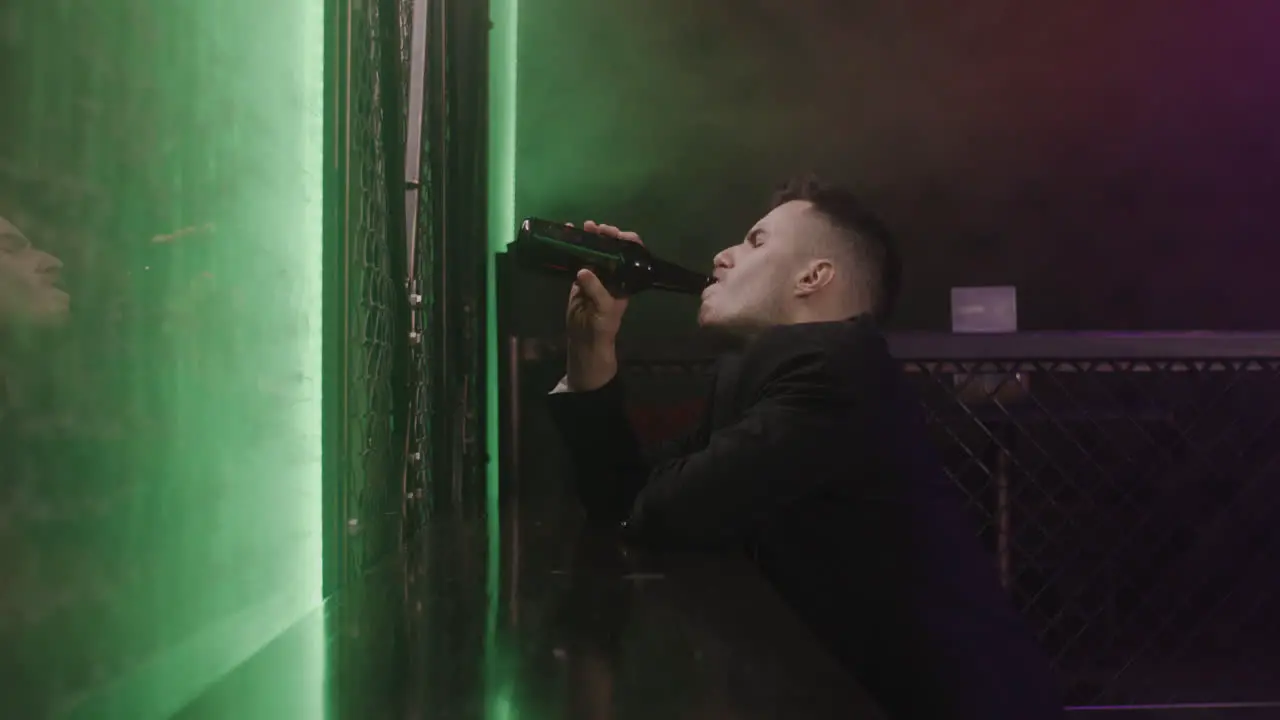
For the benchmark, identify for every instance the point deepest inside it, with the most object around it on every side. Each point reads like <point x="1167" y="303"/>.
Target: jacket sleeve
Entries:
<point x="609" y="466"/>
<point x="775" y="453"/>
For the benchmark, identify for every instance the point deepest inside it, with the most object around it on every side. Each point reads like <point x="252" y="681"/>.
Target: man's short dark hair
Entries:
<point x="872" y="242"/>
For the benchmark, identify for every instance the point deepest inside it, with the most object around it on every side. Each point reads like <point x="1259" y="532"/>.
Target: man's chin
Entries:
<point x="57" y="308"/>
<point x="54" y="312"/>
<point x="54" y="320"/>
<point x="723" y="328"/>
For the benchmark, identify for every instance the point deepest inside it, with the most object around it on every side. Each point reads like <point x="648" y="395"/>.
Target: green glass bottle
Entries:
<point x="624" y="267"/>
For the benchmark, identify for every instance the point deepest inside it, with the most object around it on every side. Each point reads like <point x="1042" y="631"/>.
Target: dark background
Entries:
<point x="1115" y="161"/>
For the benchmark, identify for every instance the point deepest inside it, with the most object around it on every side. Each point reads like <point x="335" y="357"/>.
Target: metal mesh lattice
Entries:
<point x="423" y="348"/>
<point x="448" y="269"/>
<point x="373" y="487"/>
<point x="1128" y="505"/>
<point x="404" y="20"/>
<point x="422" y="360"/>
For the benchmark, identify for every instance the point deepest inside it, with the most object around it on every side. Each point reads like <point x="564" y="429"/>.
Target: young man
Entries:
<point x="29" y="291"/>
<point x="813" y="459"/>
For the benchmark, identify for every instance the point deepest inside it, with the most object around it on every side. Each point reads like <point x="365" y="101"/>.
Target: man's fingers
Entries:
<point x="613" y="231"/>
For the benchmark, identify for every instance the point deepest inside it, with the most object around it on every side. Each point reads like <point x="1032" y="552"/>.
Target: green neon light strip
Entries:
<point x="313" y="21"/>
<point x="310" y="251"/>
<point x="503" y="42"/>
<point x="502" y="194"/>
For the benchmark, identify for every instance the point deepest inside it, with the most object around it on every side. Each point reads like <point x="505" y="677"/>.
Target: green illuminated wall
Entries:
<point x="160" y="489"/>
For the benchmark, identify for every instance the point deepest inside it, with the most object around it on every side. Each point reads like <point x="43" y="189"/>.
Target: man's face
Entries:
<point x="29" y="292"/>
<point x="756" y="279"/>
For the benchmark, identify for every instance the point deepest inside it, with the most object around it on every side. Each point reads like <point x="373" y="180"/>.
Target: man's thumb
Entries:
<point x="592" y="286"/>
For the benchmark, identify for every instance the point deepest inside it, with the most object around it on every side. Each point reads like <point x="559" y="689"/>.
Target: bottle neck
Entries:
<point x="673" y="278"/>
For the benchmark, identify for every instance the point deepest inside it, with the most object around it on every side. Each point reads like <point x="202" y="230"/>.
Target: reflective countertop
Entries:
<point x="554" y="620"/>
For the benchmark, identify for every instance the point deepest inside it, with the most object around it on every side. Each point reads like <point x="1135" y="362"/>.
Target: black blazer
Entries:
<point x="813" y="458"/>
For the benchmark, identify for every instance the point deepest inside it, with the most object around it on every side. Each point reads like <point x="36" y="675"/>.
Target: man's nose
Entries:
<point x="723" y="260"/>
<point x="49" y="263"/>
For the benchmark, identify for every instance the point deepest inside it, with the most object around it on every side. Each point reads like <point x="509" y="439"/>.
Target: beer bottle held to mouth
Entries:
<point x="625" y="268"/>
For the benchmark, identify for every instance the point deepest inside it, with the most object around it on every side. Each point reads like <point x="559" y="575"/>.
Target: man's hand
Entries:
<point x="592" y="321"/>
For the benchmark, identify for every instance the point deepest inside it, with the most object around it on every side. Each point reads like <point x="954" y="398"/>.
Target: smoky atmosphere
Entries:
<point x="1117" y="162"/>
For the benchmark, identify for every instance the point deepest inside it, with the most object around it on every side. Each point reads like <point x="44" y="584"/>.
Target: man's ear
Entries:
<point x="815" y="276"/>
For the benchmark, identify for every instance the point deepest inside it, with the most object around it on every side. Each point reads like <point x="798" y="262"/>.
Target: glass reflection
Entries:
<point x="30" y="290"/>
<point x="160" y="276"/>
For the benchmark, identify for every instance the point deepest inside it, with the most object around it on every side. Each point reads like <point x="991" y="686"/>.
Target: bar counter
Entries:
<point x="558" y="621"/>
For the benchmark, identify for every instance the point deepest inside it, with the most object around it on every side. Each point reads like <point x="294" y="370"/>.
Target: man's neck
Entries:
<point x="820" y="314"/>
